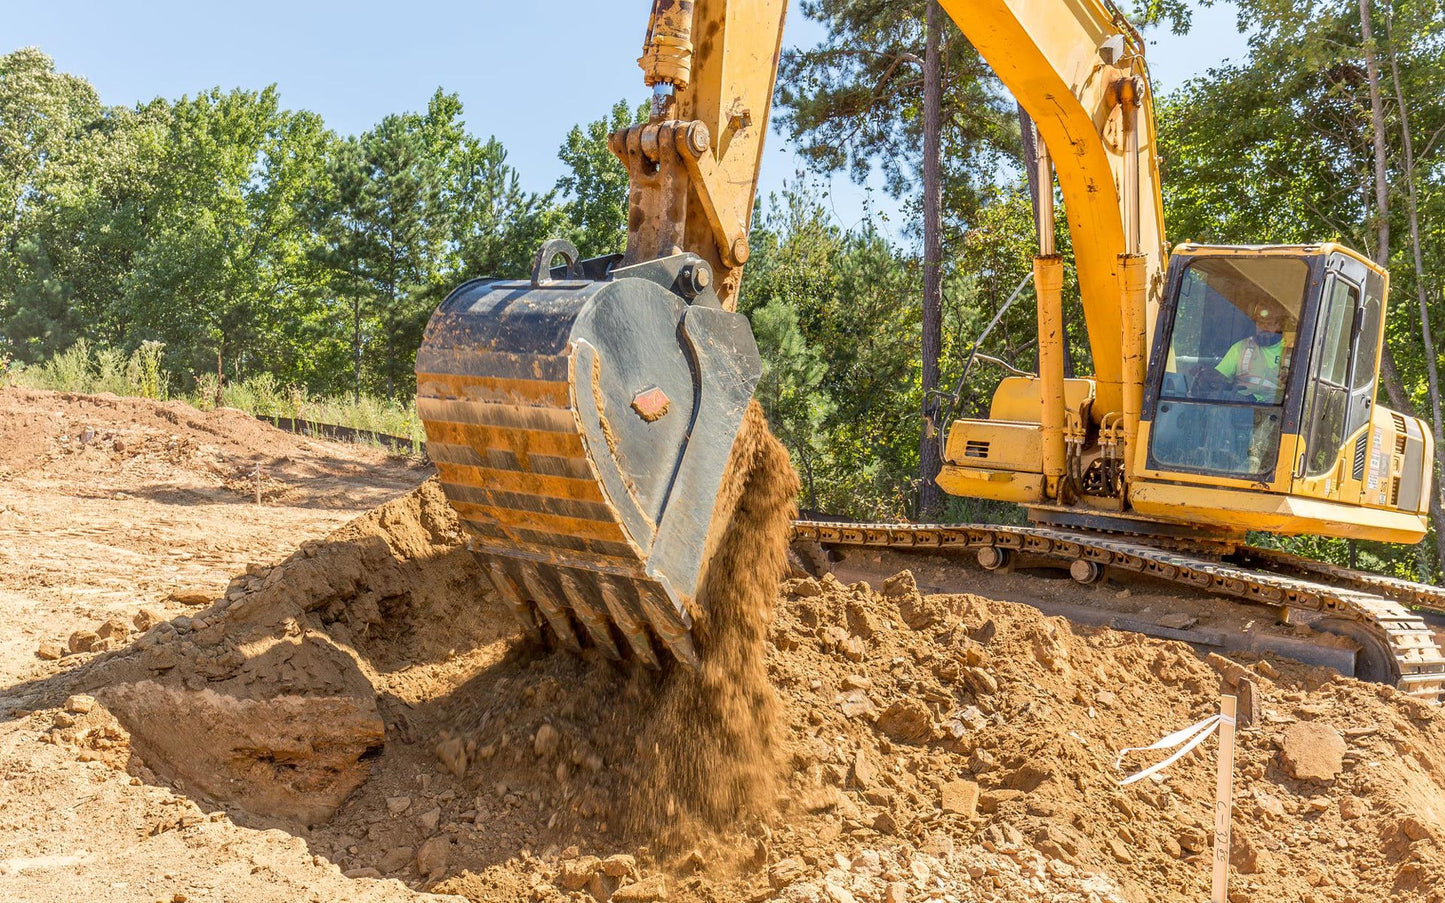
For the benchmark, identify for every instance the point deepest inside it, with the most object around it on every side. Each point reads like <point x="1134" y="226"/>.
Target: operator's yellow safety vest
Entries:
<point x="1253" y="368"/>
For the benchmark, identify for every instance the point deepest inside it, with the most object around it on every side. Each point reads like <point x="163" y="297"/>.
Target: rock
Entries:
<point x="960" y="797"/>
<point x="355" y="874"/>
<point x="546" y="742"/>
<point x="575" y="874"/>
<point x="1312" y="751"/>
<point x="428" y="820"/>
<point x="885" y="823"/>
<point x="1413" y="829"/>
<point x="647" y="890"/>
<point x="82" y="641"/>
<point x="619" y="866"/>
<point x="1352" y="807"/>
<point x="396" y="805"/>
<point x="913" y="609"/>
<point x="990" y="801"/>
<point x="897" y="892"/>
<point x="852" y="648"/>
<point x="395" y="860"/>
<point x="862" y="774"/>
<point x="49" y="651"/>
<point x="194" y="597"/>
<point x="907" y="721"/>
<point x="453" y="754"/>
<point x="113" y="629"/>
<point x="1266" y="670"/>
<point x="836" y="893"/>
<point x="145" y="619"/>
<point x="1177" y="620"/>
<point x="861" y="622"/>
<point x="856" y="704"/>
<point x="785" y="872"/>
<point x="80" y="704"/>
<point x="431" y="859"/>
<point x="807" y="588"/>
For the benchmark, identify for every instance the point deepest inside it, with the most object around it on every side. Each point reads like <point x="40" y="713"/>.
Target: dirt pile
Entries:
<point x="927" y="747"/>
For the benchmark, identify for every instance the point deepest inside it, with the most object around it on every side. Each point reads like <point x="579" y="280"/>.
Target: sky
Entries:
<point x="526" y="71"/>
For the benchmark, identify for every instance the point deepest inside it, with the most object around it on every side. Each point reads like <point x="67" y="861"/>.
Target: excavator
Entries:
<point x="583" y="421"/>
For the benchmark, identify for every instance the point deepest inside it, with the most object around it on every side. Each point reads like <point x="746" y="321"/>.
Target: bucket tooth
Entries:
<point x="594" y="621"/>
<point x="552" y="606"/>
<point x="512" y="597"/>
<point x="621" y="599"/>
<point x="672" y="626"/>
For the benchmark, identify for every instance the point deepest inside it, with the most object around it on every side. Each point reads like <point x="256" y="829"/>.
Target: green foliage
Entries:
<point x="86" y="370"/>
<point x="596" y="184"/>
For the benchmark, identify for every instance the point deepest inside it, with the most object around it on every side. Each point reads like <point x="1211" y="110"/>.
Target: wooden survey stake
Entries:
<point x="1224" y="800"/>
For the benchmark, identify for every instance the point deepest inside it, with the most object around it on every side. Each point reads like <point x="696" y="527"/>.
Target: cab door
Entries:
<point x="1341" y="384"/>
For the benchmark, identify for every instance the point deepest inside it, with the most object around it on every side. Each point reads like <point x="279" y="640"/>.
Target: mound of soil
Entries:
<point x="841" y="742"/>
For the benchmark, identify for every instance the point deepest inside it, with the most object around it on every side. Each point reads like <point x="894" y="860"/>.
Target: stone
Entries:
<point x="546" y="742"/>
<point x="852" y="648"/>
<point x="862" y="773"/>
<point x="785" y="872"/>
<point x="1352" y="807"/>
<point x="355" y="874"/>
<point x="194" y="597"/>
<point x="82" y="641"/>
<point x="398" y="804"/>
<point x="1266" y="670"/>
<point x="861" y="622"/>
<point x="453" y="754"/>
<point x="913" y="609"/>
<point x="1413" y="829"/>
<point x="395" y="860"/>
<point x="836" y="893"/>
<point x="807" y="588"/>
<point x="907" y="721"/>
<point x="960" y="797"/>
<point x="1177" y="620"/>
<point x="885" y="823"/>
<point x="575" y="874"/>
<point x="619" y="866"/>
<point x="428" y="820"/>
<point x="80" y="704"/>
<point x="113" y="629"/>
<point x="49" y="651"/>
<point x="1312" y="751"/>
<point x="648" y="890"/>
<point x="145" y="619"/>
<point x="431" y="859"/>
<point x="896" y="892"/>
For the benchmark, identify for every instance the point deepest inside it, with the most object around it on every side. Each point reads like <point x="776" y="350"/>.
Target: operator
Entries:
<point x="1253" y="363"/>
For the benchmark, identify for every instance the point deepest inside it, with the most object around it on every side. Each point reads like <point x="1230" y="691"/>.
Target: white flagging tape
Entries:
<point x="1191" y="736"/>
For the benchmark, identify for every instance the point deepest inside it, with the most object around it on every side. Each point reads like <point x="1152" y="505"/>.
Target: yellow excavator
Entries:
<point x="582" y="421"/>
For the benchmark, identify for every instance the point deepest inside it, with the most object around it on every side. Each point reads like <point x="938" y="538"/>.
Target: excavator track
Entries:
<point x="1373" y="611"/>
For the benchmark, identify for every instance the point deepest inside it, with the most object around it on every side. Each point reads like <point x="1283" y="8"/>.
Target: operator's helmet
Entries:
<point x="1270" y="319"/>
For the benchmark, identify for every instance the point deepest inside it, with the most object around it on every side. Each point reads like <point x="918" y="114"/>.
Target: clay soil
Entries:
<point x="318" y="699"/>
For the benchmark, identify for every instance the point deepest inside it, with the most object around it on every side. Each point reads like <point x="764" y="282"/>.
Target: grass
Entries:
<point x="87" y="371"/>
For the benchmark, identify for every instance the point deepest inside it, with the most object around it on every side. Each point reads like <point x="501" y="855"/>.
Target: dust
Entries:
<point x="715" y="740"/>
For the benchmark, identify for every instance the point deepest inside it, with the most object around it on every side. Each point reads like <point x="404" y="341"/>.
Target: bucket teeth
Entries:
<point x="592" y="616"/>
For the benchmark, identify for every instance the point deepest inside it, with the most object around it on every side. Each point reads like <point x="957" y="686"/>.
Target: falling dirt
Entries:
<point x="840" y="743"/>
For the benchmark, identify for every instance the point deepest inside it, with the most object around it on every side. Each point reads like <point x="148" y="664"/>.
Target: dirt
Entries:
<point x="353" y="716"/>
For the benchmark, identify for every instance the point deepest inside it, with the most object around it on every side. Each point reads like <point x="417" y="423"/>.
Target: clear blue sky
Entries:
<point x="526" y="71"/>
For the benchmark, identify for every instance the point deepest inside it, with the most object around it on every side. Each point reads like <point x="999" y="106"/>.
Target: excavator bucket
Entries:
<point x="582" y="424"/>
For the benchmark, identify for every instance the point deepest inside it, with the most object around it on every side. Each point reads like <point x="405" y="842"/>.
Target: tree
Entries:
<point x="595" y="186"/>
<point x="384" y="234"/>
<point x="872" y="95"/>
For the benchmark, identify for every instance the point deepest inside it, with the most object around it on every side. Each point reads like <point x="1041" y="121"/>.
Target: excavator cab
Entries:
<point x="1262" y="385"/>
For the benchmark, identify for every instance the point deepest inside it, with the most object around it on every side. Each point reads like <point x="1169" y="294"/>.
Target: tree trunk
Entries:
<point x="1377" y="126"/>
<point x="1388" y="370"/>
<point x="930" y="497"/>
<point x="1432" y="369"/>
<point x="356" y="349"/>
<point x="1031" y="156"/>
